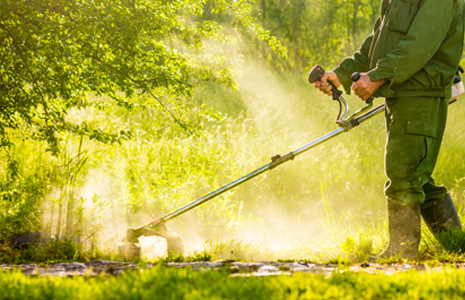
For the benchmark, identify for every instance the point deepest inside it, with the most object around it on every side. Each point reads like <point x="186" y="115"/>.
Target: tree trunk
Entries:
<point x="263" y="20"/>
<point x="263" y="13"/>
<point x="374" y="11"/>
<point x="355" y="46"/>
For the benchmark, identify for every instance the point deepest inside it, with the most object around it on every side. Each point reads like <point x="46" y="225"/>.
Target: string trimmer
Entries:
<point x="175" y="243"/>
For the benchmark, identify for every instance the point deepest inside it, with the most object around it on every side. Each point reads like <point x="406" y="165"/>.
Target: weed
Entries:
<point x="340" y="261"/>
<point x="284" y="268"/>
<point x="360" y="249"/>
<point x="202" y="256"/>
<point x="452" y="240"/>
<point x="286" y="260"/>
<point x="174" y="258"/>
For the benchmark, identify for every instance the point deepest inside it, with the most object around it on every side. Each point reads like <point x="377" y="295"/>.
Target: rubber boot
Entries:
<point x="441" y="216"/>
<point x="404" y="232"/>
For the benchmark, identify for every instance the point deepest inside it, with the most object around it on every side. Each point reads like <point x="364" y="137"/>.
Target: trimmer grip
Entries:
<point x="355" y="77"/>
<point x="315" y="76"/>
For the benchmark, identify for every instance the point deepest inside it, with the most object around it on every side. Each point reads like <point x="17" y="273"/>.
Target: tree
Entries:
<point x="53" y="54"/>
<point x="314" y="31"/>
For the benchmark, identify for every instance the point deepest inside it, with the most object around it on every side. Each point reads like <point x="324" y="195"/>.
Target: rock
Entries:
<point x="241" y="269"/>
<point x="24" y="240"/>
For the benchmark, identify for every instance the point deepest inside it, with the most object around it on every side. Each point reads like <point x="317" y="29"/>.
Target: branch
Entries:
<point x="146" y="88"/>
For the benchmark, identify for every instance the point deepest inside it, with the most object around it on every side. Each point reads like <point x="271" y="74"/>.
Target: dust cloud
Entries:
<point x="295" y="206"/>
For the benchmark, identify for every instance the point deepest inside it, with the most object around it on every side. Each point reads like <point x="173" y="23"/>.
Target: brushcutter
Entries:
<point x="175" y="244"/>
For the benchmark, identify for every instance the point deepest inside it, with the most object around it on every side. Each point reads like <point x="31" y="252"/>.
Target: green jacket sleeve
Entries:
<point x="424" y="37"/>
<point x="359" y="62"/>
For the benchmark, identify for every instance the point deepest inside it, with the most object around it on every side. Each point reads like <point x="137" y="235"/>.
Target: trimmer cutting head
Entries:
<point x="129" y="247"/>
<point x="129" y="250"/>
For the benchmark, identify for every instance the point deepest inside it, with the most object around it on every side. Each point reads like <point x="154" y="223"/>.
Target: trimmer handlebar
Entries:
<point x="315" y="76"/>
<point x="317" y="72"/>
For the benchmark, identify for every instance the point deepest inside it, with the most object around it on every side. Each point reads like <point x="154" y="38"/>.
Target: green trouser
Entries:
<point x="415" y="127"/>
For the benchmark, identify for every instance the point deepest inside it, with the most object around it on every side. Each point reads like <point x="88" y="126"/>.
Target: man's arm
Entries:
<point x="359" y="62"/>
<point x="426" y="34"/>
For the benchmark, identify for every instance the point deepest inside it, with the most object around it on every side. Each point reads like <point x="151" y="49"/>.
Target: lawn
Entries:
<point x="168" y="283"/>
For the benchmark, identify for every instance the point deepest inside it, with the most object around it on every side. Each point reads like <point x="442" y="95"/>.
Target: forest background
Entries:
<point x="114" y="113"/>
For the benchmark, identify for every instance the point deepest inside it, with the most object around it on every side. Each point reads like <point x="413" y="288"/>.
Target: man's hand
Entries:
<point x="324" y="85"/>
<point x="364" y="88"/>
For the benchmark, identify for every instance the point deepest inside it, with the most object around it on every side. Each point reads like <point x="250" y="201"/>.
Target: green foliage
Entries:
<point x="340" y="261"/>
<point x="360" y="249"/>
<point x="53" y="250"/>
<point x="453" y="240"/>
<point x="330" y="195"/>
<point x="61" y="59"/>
<point x="314" y="31"/>
<point x="196" y="256"/>
<point x="24" y="182"/>
<point x="447" y="246"/>
<point x="54" y="54"/>
<point x="67" y="177"/>
<point x="113" y="70"/>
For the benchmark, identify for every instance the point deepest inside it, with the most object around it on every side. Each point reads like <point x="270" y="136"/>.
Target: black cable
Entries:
<point x="340" y="110"/>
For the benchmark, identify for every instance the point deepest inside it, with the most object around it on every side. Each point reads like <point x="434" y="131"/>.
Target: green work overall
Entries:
<point x="415" y="127"/>
<point x="416" y="45"/>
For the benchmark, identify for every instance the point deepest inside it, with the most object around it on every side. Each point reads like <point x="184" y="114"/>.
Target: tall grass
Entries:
<point x="329" y="200"/>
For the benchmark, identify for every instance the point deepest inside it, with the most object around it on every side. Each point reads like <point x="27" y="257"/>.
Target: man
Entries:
<point x="413" y="54"/>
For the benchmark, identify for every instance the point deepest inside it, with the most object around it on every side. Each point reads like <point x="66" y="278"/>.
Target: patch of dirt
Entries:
<point x="99" y="267"/>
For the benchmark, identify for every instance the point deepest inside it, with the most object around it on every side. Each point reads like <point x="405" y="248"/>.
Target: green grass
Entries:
<point x="164" y="283"/>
